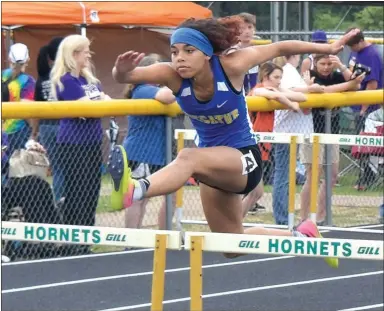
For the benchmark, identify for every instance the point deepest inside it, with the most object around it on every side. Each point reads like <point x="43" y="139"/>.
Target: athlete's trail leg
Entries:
<point x="254" y="196"/>
<point x="224" y="215"/>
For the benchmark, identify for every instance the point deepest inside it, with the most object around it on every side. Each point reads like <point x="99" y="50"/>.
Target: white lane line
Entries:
<point x="364" y="307"/>
<point x="17" y="263"/>
<point x="370" y="226"/>
<point x="121" y="276"/>
<point x="248" y="290"/>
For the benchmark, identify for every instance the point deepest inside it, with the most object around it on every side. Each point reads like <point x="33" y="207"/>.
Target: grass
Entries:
<point x="104" y="201"/>
<point x="339" y="190"/>
<point x="341" y="217"/>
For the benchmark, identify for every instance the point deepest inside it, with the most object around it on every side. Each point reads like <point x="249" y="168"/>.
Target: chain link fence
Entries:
<point x="350" y="205"/>
<point x="71" y="184"/>
<point x="77" y="189"/>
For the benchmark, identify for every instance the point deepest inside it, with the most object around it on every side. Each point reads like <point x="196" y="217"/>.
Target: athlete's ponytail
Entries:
<point x="222" y="33"/>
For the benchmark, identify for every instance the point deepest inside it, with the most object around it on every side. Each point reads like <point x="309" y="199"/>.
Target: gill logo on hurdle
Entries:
<point x="313" y="247"/>
<point x="301" y="247"/>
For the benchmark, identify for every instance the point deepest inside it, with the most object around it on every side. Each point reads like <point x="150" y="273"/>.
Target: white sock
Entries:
<point x="298" y="234"/>
<point x="141" y="187"/>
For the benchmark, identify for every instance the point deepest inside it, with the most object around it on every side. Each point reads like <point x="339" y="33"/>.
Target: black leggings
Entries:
<point x="82" y="182"/>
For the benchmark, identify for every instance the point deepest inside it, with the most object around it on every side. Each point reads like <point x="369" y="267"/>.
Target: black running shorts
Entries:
<point x="252" y="167"/>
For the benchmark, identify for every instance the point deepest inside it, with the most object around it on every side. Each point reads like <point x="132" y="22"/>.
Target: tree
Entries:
<point x="370" y="18"/>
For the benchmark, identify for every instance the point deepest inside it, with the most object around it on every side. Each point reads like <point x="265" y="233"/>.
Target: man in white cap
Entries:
<point x="18" y="53"/>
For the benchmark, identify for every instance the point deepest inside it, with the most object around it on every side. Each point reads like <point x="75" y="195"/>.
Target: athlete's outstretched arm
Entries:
<point x="126" y="70"/>
<point x="247" y="58"/>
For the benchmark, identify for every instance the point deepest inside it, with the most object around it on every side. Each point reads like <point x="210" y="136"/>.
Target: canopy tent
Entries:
<point x="159" y="14"/>
<point x="119" y="26"/>
<point x="112" y="27"/>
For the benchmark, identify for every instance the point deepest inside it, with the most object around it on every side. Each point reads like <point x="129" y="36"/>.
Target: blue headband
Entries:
<point x="192" y="37"/>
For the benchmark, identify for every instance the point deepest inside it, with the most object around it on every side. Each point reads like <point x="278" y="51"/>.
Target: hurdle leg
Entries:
<point x="158" y="277"/>
<point x="292" y="182"/>
<point x="315" y="177"/>
<point x="196" y="273"/>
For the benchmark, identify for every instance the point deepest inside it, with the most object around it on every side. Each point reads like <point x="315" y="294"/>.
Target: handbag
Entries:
<point x="24" y="162"/>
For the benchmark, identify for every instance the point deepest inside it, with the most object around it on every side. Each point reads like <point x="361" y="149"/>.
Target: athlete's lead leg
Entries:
<point x="210" y="165"/>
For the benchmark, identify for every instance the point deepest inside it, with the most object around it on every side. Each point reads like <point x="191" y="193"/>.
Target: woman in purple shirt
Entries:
<point x="79" y="138"/>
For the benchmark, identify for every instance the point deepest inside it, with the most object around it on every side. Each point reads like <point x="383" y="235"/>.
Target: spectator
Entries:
<point x="79" y="138"/>
<point x="270" y="77"/>
<point x="4" y="92"/>
<point x="318" y="36"/>
<point x="333" y="81"/>
<point x="145" y="143"/>
<point x="245" y="40"/>
<point x="366" y="54"/>
<point x="4" y="138"/>
<point x="247" y="33"/>
<point x="48" y="128"/>
<point x="371" y="162"/>
<point x="21" y="87"/>
<point x="374" y="121"/>
<point x="287" y="121"/>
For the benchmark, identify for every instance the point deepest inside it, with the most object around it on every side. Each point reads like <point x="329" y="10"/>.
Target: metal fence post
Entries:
<point x="328" y="170"/>
<point x="168" y="159"/>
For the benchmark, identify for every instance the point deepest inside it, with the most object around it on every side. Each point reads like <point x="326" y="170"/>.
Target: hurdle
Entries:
<point x="293" y="139"/>
<point x="199" y="242"/>
<point x="195" y="243"/>
<point x="159" y="240"/>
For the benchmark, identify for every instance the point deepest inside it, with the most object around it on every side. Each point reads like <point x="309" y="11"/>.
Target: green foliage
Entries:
<point x="370" y="18"/>
<point x="322" y="16"/>
<point x="367" y="18"/>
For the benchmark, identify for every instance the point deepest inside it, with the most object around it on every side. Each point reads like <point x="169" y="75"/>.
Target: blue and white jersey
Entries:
<point x="224" y="120"/>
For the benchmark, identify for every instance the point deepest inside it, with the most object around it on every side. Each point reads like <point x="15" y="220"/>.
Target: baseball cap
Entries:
<point x="319" y="36"/>
<point x="18" y="53"/>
